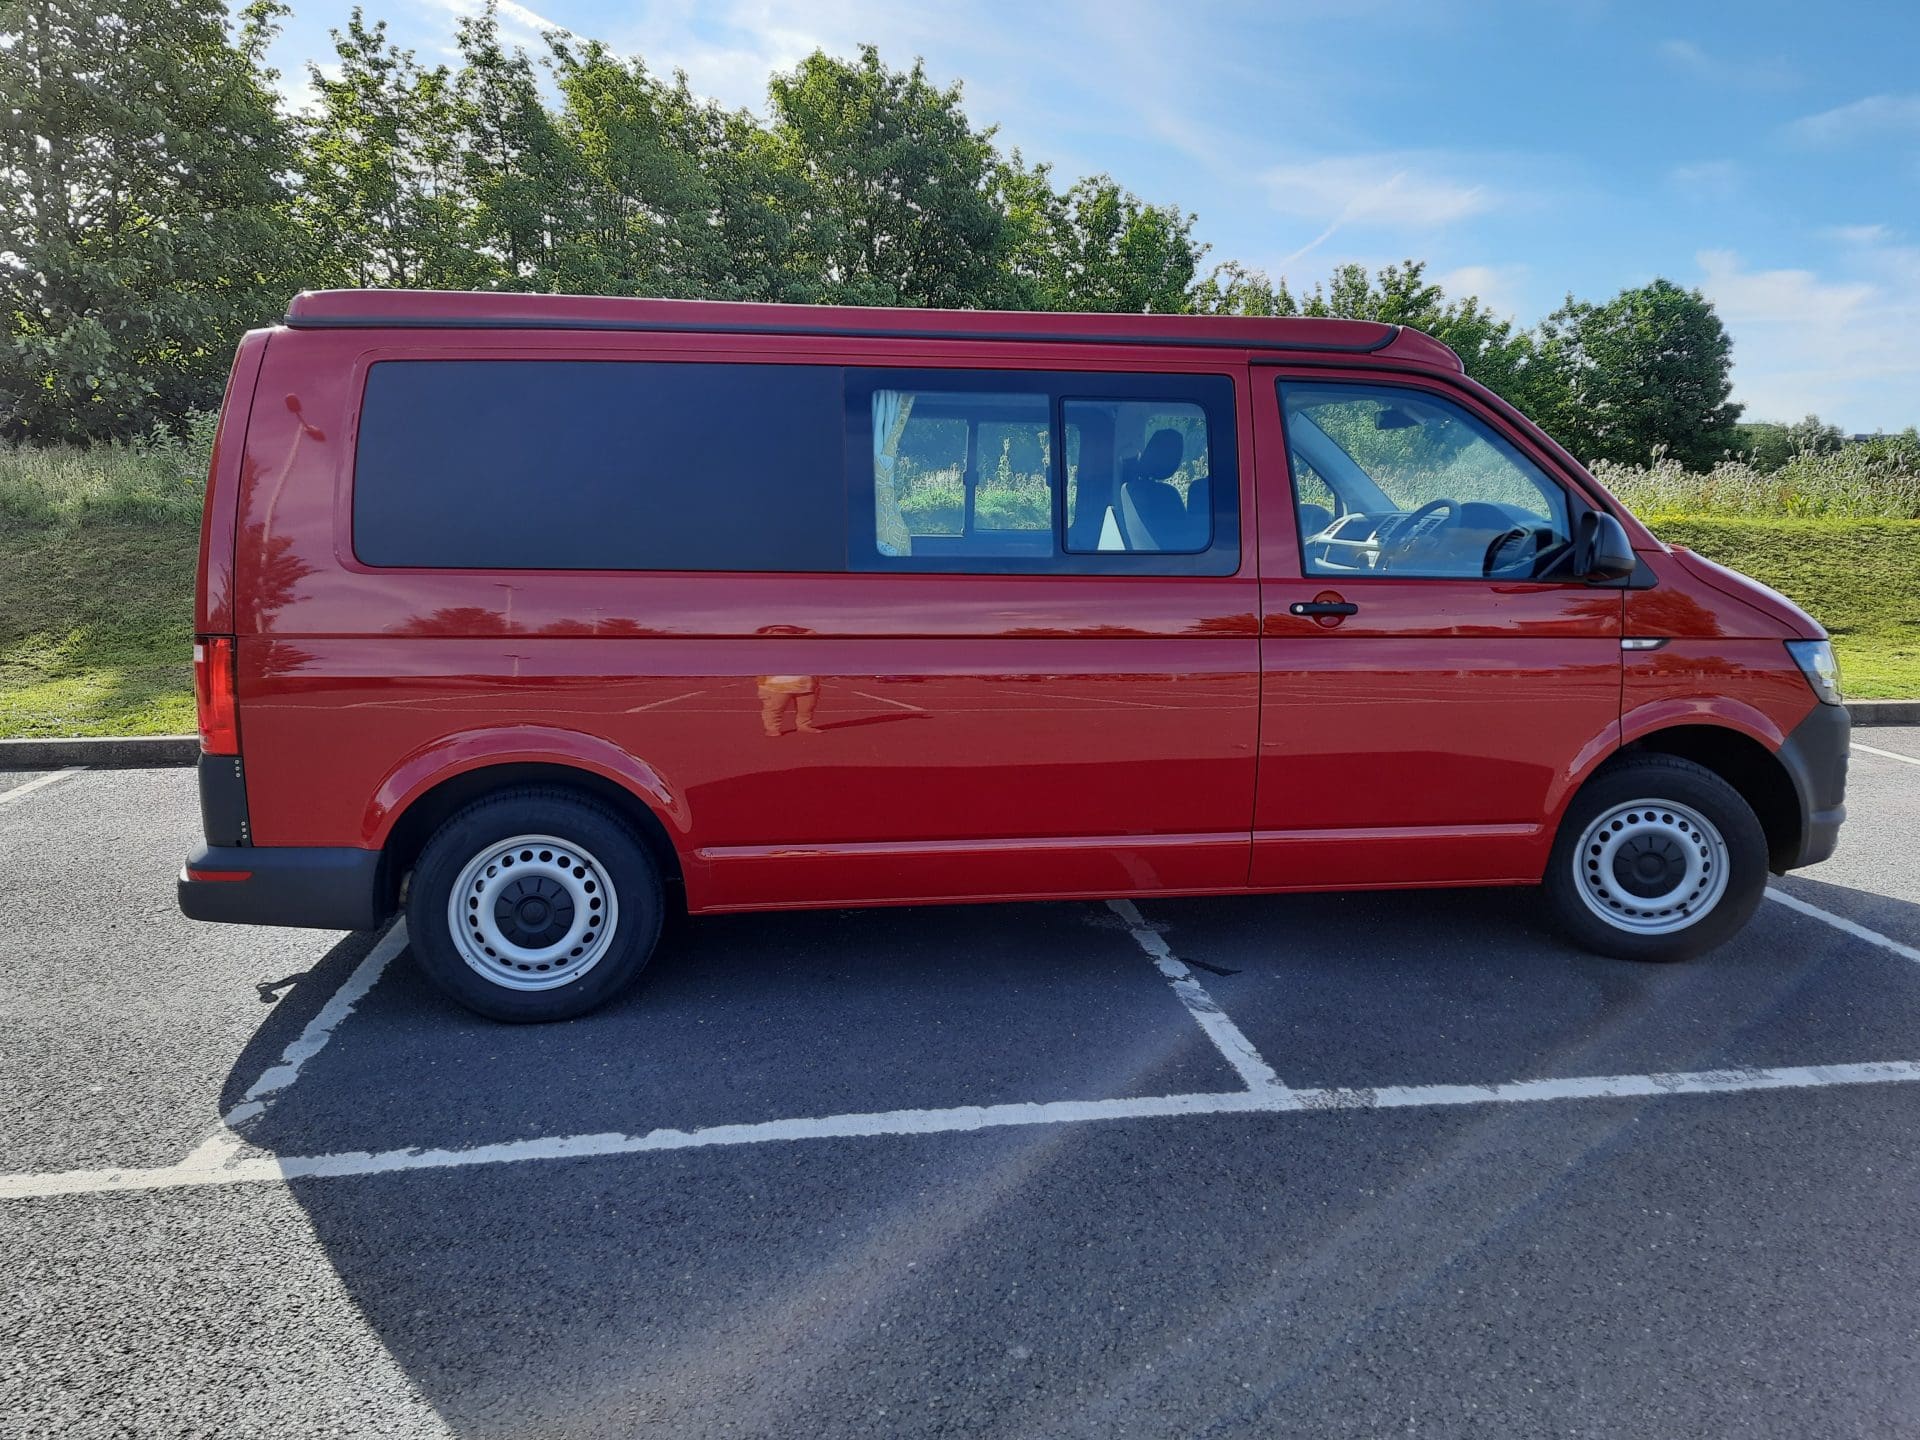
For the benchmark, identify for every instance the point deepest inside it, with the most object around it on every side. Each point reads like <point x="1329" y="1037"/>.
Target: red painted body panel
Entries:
<point x="884" y="738"/>
<point x="1435" y="735"/>
<point x="1724" y="665"/>
<point x="213" y="584"/>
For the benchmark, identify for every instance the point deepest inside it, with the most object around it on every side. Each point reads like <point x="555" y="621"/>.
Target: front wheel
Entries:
<point x="1657" y="859"/>
<point x="533" y="904"/>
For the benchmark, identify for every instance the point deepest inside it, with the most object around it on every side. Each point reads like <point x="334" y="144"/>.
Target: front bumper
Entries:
<point x="1815" y="755"/>
<point x="318" y="887"/>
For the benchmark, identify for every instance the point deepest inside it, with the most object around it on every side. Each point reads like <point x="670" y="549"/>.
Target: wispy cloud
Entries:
<point x="1401" y="191"/>
<point x="519" y="24"/>
<point x="1839" y="345"/>
<point x="1875" y="115"/>
<point x="1735" y="72"/>
<point x="1707" y="179"/>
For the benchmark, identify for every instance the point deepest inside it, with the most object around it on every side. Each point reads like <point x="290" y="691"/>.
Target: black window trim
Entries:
<point x="1222" y="556"/>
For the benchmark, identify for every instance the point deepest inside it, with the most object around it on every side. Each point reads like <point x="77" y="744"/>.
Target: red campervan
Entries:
<point x="517" y="611"/>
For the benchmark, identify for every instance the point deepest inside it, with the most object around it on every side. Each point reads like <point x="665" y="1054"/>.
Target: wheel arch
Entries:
<point x="429" y="787"/>
<point x="1746" y="763"/>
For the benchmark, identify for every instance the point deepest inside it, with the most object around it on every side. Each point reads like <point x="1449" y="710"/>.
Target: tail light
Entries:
<point x="213" y="695"/>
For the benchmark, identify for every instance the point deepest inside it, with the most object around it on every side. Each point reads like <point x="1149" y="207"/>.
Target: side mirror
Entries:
<point x="1603" y="552"/>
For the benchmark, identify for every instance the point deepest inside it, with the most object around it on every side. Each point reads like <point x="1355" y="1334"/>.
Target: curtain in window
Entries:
<point x="891" y="409"/>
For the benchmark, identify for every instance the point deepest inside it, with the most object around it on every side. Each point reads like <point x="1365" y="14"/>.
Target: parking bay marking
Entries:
<point x="215" y="1163"/>
<point x="1228" y="1038"/>
<point x="319" y="1030"/>
<point x="20" y="792"/>
<point x="282" y="1169"/>
<point x="1886" y="754"/>
<point x="1840" y="922"/>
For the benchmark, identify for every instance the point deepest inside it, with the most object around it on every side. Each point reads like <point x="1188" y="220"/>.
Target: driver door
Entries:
<point x="1432" y="677"/>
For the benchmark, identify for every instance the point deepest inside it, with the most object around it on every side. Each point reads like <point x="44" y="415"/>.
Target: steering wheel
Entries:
<point x="1495" y="561"/>
<point x="1409" y="530"/>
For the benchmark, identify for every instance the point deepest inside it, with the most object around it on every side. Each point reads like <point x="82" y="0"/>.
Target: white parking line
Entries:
<point x="1886" y="754"/>
<point x="280" y="1169"/>
<point x="20" y="792"/>
<point x="1840" y="922"/>
<point x="1239" y="1051"/>
<point x="319" y="1031"/>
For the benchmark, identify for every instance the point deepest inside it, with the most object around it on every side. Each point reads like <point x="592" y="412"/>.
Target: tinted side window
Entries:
<point x="1042" y="472"/>
<point x="589" y="465"/>
<point x="1138" y="476"/>
<point x="1395" y="480"/>
<point x="961" y="473"/>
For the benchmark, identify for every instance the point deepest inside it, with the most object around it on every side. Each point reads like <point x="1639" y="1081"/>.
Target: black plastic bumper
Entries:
<point x="319" y="888"/>
<point x="1815" y="755"/>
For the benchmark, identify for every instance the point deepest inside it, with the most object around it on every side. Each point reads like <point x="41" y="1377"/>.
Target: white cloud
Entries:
<point x="1707" y="179"/>
<point x="1858" y="234"/>
<point x="1874" y="115"/>
<point x="1385" y="190"/>
<point x="1839" y="346"/>
<point x="519" y="25"/>
<point x="1501" y="288"/>
<point x="1743" y="74"/>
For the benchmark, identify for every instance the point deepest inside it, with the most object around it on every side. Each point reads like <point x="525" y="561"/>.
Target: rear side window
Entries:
<point x="591" y="465"/>
<point x="1031" y="472"/>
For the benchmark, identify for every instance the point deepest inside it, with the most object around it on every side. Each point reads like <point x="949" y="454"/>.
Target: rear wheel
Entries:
<point x="1657" y="859"/>
<point x="534" y="904"/>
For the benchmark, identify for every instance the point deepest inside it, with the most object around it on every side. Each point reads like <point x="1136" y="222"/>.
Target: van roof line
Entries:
<point x="462" y="310"/>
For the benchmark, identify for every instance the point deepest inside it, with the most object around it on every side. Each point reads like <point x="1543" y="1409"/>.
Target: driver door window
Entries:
<point x="1391" y="480"/>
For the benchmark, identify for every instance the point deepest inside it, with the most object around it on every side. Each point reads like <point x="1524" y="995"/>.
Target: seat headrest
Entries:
<point x="1161" y="455"/>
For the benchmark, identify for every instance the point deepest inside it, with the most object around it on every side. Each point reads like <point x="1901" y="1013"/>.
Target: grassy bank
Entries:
<point x="1859" y="578"/>
<point x="96" y="582"/>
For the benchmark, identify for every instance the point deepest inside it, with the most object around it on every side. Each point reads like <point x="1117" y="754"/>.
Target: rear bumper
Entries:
<point x="321" y="888"/>
<point x="1815" y="755"/>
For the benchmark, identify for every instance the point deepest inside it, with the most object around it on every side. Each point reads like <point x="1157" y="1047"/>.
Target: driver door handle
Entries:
<point x="1323" y="607"/>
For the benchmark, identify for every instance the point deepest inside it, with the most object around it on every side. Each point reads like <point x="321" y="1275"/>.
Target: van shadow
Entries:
<point x="1475" y="987"/>
<point x="805" y="1287"/>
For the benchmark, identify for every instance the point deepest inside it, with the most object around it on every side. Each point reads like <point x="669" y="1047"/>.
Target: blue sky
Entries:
<point x="1768" y="153"/>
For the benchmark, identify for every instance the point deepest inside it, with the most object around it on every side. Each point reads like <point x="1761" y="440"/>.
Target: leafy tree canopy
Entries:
<point x="155" y="201"/>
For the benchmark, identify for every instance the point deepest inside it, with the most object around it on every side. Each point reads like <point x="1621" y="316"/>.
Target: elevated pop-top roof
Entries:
<point x="488" y="310"/>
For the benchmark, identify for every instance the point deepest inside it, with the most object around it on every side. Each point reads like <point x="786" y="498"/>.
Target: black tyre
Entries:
<point x="1657" y="859"/>
<point x="534" y="904"/>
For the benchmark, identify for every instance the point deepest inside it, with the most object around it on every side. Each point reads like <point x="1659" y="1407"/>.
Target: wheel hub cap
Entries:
<point x="533" y="912"/>
<point x="1651" y="867"/>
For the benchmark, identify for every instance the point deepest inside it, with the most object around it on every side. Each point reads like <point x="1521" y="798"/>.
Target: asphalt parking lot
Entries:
<point x="1330" y="1165"/>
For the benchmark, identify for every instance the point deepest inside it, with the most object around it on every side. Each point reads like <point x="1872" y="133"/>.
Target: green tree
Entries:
<point x="637" y="223"/>
<point x="383" y="186"/>
<point x="1648" y="372"/>
<point x="1236" y="289"/>
<point x="1493" y="351"/>
<point x="1813" y="436"/>
<point x="516" y="166"/>
<point x="1097" y="247"/>
<point x="143" y="222"/>
<point x="900" y="189"/>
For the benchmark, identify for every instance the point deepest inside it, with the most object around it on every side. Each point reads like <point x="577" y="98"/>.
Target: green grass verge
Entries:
<point x="96" y="613"/>
<point x="96" y="630"/>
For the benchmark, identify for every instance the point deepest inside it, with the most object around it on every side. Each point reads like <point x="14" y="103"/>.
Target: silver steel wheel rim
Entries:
<point x="532" y="913"/>
<point x="1616" y="875"/>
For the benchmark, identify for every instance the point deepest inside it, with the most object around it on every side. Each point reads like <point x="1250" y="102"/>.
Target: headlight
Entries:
<point x="1816" y="662"/>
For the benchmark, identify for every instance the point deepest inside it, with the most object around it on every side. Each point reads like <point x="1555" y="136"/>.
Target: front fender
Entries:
<point x="1717" y="710"/>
